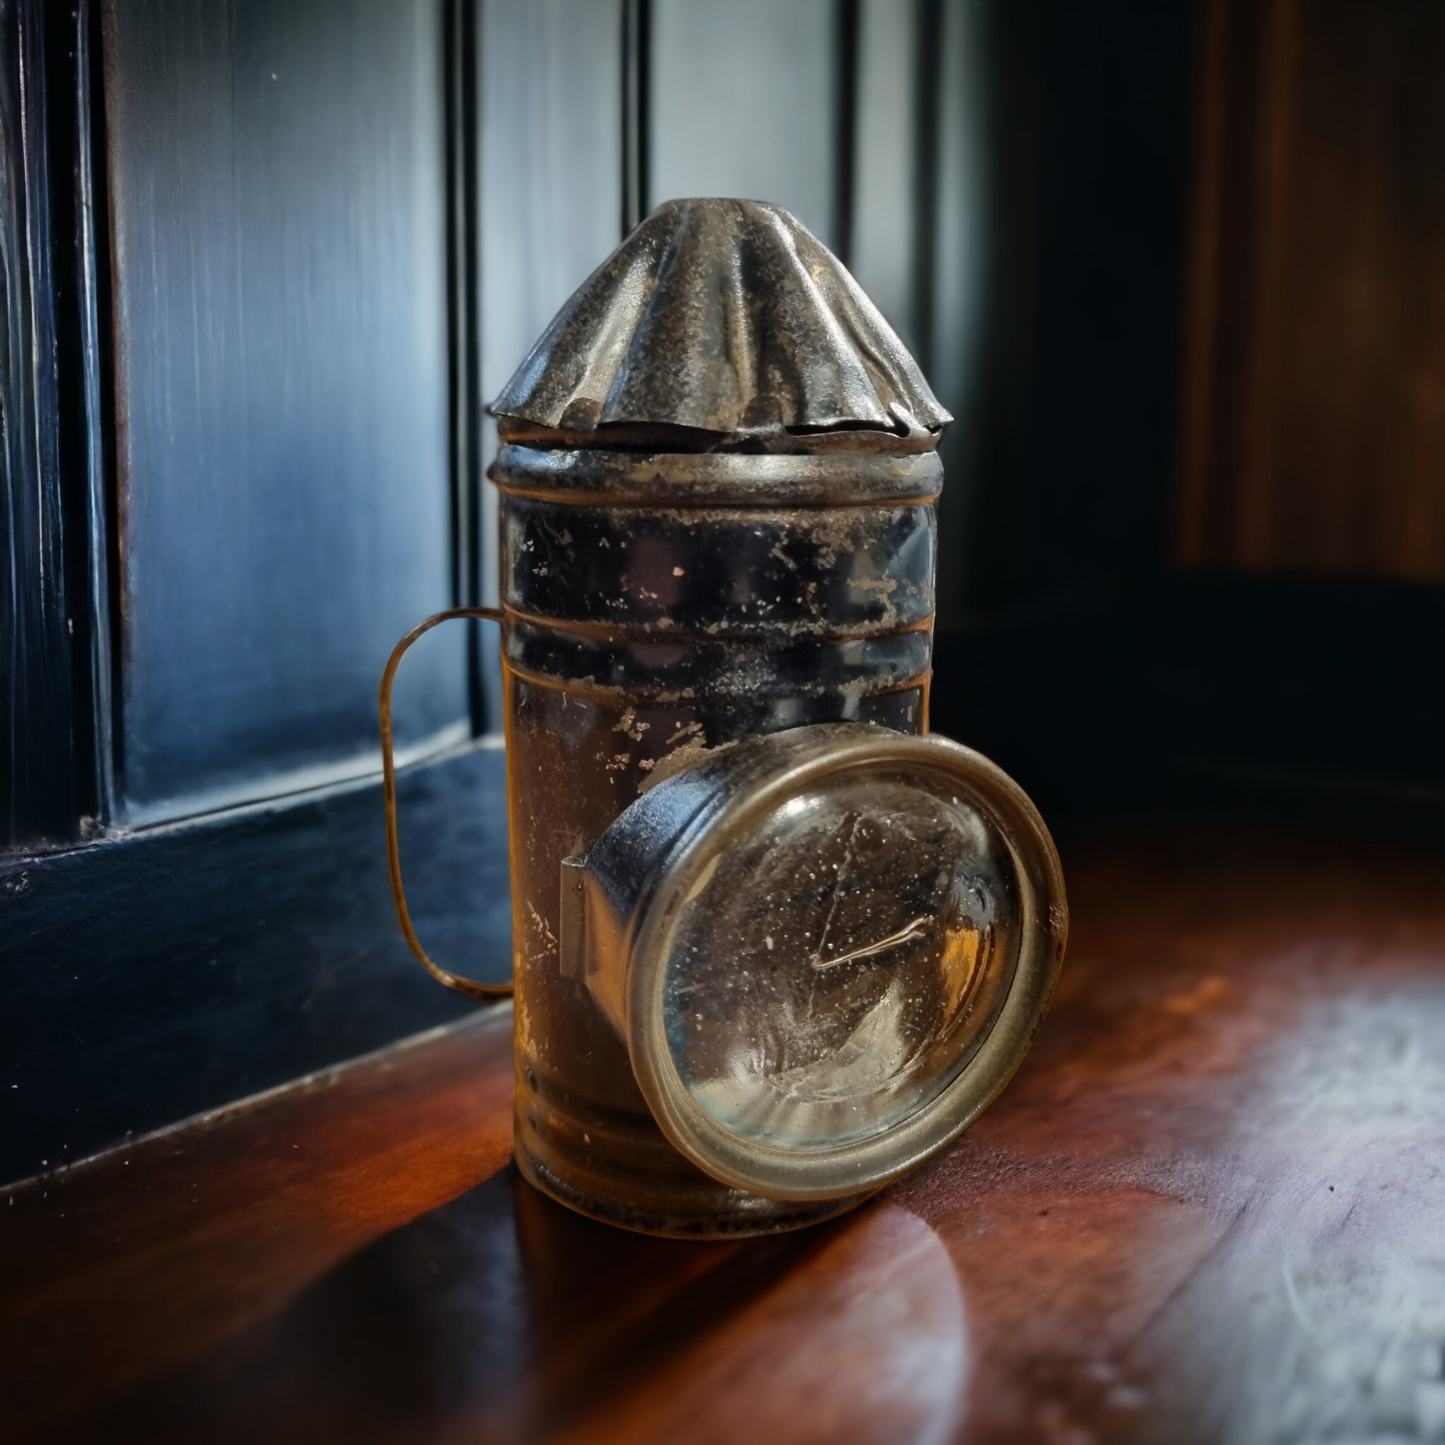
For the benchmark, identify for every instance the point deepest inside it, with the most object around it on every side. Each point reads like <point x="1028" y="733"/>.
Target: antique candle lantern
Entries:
<point x="773" y="944"/>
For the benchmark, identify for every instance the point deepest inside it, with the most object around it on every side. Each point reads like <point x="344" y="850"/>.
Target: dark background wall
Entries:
<point x="1059" y="463"/>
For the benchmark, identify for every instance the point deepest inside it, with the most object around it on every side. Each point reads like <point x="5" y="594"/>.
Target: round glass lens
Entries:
<point x="833" y="972"/>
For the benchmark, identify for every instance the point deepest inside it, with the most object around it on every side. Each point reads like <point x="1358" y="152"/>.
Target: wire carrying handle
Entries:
<point x="487" y="992"/>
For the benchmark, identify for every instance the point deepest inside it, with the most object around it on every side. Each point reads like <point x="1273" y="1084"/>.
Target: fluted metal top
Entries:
<point x="722" y="316"/>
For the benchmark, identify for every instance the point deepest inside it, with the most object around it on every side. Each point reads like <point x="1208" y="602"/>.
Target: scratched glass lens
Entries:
<point x="836" y="971"/>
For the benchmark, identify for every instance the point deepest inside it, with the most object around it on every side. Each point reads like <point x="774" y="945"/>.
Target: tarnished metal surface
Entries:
<point x="717" y="521"/>
<point x="672" y="479"/>
<point x="725" y="317"/>
<point x="784" y="590"/>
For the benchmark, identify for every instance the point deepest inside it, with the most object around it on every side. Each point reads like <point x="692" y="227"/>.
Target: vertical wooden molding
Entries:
<point x="94" y="377"/>
<point x="54" y="598"/>
<point x="460" y="62"/>
<point x="1202" y="293"/>
<point x="114" y="402"/>
<point x="1256" y="523"/>
<point x="636" y="111"/>
<point x="928" y="72"/>
<point x="847" y="59"/>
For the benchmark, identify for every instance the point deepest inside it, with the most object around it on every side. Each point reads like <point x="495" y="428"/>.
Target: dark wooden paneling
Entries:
<point x="48" y="776"/>
<point x="278" y="179"/>
<point x="1053" y="517"/>
<point x="847" y="72"/>
<point x="1329" y="686"/>
<point x="1207" y="1209"/>
<point x="1316" y="695"/>
<point x="1315" y="388"/>
<point x="149" y="977"/>
<point x="464" y="315"/>
<point x="880" y="227"/>
<point x="1057" y="465"/>
<point x="926" y="97"/>
<point x="636" y="112"/>
<point x="743" y="104"/>
<point x="1298" y="647"/>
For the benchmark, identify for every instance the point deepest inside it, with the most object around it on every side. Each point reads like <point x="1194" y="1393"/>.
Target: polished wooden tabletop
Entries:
<point x="1210" y="1207"/>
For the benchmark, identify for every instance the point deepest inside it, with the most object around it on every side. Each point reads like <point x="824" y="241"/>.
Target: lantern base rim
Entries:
<point x="705" y="1209"/>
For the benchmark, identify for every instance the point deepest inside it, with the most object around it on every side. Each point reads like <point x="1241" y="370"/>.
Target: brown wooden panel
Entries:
<point x="1208" y="1208"/>
<point x="1314" y="401"/>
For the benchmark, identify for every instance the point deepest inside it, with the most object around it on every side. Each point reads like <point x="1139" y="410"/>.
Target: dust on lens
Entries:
<point x="836" y="971"/>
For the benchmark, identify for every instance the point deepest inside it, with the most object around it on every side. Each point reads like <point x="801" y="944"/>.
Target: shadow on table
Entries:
<point x="503" y="1316"/>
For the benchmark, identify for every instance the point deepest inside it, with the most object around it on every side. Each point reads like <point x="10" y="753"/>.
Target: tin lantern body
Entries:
<point x="772" y="944"/>
<point x="661" y="605"/>
<point x="717" y="521"/>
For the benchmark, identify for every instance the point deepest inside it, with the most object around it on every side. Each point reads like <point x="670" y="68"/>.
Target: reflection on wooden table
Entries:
<point x="1208" y="1208"/>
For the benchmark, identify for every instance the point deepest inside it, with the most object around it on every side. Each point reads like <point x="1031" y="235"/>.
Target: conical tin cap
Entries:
<point x="727" y="317"/>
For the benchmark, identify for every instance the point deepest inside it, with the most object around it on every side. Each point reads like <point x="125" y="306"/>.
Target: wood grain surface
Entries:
<point x="1207" y="1209"/>
<point x="1314" y="358"/>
